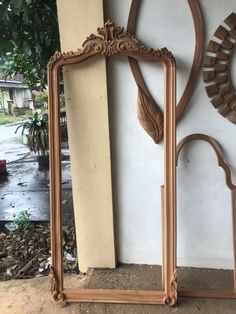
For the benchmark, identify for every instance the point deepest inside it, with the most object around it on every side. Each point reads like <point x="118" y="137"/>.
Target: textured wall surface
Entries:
<point x="204" y="208"/>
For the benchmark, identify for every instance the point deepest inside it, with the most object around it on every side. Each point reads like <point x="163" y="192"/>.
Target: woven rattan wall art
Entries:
<point x="149" y="114"/>
<point x="111" y="41"/>
<point x="217" y="69"/>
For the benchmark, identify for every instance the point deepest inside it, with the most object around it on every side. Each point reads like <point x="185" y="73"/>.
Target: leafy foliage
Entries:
<point x="5" y="118"/>
<point x="29" y="36"/>
<point x="43" y="97"/>
<point x="37" y="130"/>
<point x="22" y="220"/>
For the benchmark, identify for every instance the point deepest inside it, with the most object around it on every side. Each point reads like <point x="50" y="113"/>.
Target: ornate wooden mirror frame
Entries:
<point x="112" y="40"/>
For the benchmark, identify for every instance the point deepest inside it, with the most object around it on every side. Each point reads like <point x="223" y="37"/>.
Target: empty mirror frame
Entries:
<point x="112" y="40"/>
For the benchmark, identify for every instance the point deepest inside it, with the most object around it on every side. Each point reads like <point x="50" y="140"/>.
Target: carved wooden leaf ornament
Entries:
<point x="150" y="116"/>
<point x="193" y="76"/>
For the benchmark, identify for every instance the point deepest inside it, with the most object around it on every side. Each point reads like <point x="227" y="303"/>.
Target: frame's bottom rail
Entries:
<point x="115" y="296"/>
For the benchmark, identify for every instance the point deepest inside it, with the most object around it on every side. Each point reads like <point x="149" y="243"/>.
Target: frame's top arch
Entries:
<point x="217" y="149"/>
<point x="113" y="40"/>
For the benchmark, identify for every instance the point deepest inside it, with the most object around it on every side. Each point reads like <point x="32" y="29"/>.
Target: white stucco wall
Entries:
<point x="19" y="96"/>
<point x="4" y="97"/>
<point x="204" y="208"/>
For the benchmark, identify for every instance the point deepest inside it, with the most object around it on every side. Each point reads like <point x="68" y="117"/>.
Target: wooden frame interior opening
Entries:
<point x="112" y="40"/>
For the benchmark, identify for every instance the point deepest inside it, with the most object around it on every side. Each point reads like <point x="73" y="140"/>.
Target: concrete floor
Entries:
<point x="33" y="296"/>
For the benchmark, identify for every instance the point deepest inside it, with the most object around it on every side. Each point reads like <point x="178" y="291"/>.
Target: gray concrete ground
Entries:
<point x="33" y="296"/>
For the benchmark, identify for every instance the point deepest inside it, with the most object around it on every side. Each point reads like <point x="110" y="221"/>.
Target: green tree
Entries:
<point x="29" y="36"/>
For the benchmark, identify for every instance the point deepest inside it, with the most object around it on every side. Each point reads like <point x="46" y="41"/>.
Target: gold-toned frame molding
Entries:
<point x="112" y="40"/>
<point x="220" y="158"/>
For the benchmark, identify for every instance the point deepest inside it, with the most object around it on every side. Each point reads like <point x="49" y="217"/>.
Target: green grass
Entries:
<point x="5" y="119"/>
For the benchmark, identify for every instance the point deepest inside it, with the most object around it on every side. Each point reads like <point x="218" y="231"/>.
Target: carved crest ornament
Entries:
<point x="113" y="40"/>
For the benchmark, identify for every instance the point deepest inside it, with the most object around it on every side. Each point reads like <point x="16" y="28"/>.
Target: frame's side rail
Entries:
<point x="233" y="193"/>
<point x="55" y="183"/>
<point x="170" y="182"/>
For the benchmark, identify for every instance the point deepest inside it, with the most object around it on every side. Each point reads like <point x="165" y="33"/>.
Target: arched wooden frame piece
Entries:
<point x="217" y="69"/>
<point x="219" y="154"/>
<point x="150" y="114"/>
<point x="112" y="40"/>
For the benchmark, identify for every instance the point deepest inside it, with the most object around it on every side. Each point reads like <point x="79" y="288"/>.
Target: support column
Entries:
<point x="88" y="129"/>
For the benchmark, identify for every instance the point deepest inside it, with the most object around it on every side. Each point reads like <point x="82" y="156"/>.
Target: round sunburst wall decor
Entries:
<point x="217" y="68"/>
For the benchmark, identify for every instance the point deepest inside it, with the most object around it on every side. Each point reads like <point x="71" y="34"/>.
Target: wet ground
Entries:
<point x="25" y="187"/>
<point x="7" y="132"/>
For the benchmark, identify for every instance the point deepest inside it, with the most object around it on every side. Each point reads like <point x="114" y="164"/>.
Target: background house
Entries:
<point x="15" y="97"/>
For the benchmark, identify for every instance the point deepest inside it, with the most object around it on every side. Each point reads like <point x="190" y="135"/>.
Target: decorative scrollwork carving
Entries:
<point x="170" y="301"/>
<point x="174" y="288"/>
<point x="111" y="40"/>
<point x="56" y="294"/>
<point x="57" y="55"/>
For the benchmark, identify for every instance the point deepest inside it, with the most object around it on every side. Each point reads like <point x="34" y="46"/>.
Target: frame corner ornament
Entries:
<point x="57" y="56"/>
<point x="173" y="286"/>
<point x="56" y="294"/>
